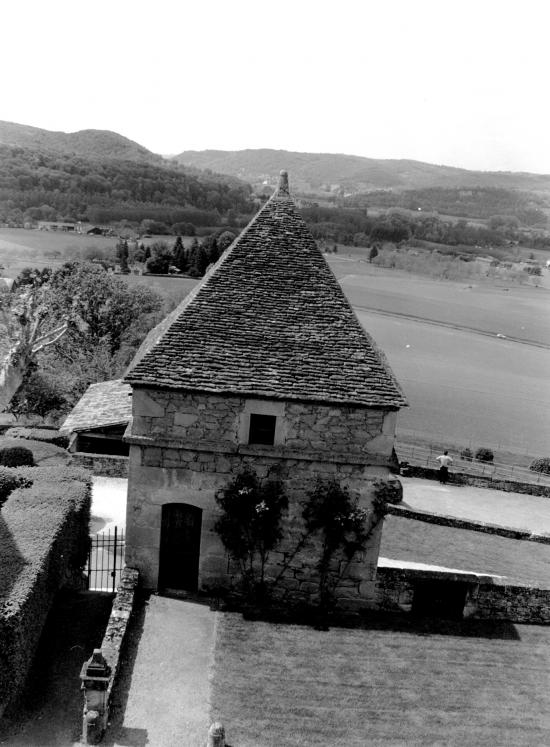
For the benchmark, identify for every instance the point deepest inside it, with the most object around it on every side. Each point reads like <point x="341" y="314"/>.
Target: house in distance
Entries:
<point x="263" y="365"/>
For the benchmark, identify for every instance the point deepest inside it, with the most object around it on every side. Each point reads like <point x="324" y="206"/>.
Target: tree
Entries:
<point x="224" y="240"/>
<point x="161" y="258"/>
<point x="38" y="395"/>
<point x="180" y="255"/>
<point x="103" y="305"/>
<point x="122" y="255"/>
<point x="373" y="253"/>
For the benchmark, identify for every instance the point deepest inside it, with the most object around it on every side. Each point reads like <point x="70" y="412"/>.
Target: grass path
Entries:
<point x="463" y="549"/>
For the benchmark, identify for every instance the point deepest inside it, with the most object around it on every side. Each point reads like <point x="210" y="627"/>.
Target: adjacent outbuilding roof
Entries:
<point x="269" y="320"/>
<point x="104" y="404"/>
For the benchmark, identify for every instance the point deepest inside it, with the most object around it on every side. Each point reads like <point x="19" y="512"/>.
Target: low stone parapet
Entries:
<point x="99" y="673"/>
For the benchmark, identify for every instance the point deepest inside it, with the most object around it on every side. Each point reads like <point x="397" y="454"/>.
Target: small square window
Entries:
<point x="262" y="429"/>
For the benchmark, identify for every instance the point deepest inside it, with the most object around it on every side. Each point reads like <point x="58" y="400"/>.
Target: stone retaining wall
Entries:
<point x="101" y="464"/>
<point x="487" y="598"/>
<point x="480" y="481"/>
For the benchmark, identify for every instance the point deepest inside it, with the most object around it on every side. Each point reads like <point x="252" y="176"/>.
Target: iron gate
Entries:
<point x="105" y="560"/>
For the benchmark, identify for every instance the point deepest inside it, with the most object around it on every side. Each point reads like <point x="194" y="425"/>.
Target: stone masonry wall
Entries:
<point x="219" y="423"/>
<point x="101" y="464"/>
<point x="487" y="598"/>
<point x="185" y="449"/>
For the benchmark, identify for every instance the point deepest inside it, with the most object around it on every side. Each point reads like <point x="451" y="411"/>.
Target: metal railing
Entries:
<point x="105" y="560"/>
<point x="425" y="457"/>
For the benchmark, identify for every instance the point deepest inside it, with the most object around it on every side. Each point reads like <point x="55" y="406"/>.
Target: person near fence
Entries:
<point x="444" y="461"/>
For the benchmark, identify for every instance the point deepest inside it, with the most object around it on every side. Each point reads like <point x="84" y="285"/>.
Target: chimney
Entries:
<point x="283" y="182"/>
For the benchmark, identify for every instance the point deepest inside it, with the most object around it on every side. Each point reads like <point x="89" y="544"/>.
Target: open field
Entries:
<point x="464" y="383"/>
<point x="388" y="684"/>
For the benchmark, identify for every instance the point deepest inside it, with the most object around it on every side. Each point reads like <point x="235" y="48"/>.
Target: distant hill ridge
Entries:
<point x="315" y="171"/>
<point x="102" y="144"/>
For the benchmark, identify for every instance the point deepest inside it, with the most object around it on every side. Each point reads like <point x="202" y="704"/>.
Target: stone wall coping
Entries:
<point x="274" y="452"/>
<point x="475" y="526"/>
<point x="90" y="455"/>
<point x="413" y="574"/>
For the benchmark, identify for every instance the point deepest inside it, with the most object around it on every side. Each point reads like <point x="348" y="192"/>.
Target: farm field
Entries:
<point x="464" y="384"/>
<point x="467" y="387"/>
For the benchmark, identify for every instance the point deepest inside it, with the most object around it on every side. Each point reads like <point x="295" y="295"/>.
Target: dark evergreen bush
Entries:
<point x="484" y="455"/>
<point x="542" y="464"/>
<point x="16" y="456"/>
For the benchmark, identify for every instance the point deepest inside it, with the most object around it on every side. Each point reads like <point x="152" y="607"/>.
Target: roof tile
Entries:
<point x="269" y="320"/>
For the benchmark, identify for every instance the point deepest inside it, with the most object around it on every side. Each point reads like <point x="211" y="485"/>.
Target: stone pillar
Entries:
<point x="95" y="676"/>
<point x="216" y="735"/>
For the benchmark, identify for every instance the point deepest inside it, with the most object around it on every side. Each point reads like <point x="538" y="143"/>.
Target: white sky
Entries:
<point x="461" y="83"/>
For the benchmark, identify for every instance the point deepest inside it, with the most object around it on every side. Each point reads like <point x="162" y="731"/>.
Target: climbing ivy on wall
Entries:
<point x="342" y="528"/>
<point x="250" y="526"/>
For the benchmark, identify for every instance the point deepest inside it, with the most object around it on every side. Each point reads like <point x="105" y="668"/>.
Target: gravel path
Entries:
<point x="163" y="694"/>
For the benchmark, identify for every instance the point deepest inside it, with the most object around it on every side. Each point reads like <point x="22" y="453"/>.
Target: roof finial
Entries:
<point x="283" y="182"/>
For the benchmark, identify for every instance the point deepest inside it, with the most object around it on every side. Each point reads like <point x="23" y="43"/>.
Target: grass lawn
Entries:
<point x="275" y="685"/>
<point x="410" y="540"/>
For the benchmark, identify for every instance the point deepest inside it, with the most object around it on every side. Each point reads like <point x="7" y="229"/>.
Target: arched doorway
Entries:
<point x="180" y="541"/>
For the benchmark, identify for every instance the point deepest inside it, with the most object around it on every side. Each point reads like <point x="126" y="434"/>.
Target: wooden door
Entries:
<point x="180" y="540"/>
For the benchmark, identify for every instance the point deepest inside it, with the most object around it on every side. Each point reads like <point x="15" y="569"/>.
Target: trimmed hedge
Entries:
<point x="42" y="450"/>
<point x="11" y="479"/>
<point x="43" y="544"/>
<point x="16" y="456"/>
<point x="51" y="436"/>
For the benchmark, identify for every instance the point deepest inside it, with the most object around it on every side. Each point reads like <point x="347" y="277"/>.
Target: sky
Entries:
<point x="458" y="83"/>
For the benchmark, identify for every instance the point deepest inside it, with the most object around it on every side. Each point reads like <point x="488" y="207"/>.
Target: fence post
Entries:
<point x="95" y="677"/>
<point x="216" y="735"/>
<point x="113" y="572"/>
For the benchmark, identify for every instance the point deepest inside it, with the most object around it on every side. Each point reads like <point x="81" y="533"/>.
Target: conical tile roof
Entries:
<point x="269" y="320"/>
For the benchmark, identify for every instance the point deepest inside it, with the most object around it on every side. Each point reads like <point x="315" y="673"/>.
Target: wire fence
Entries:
<point x="426" y="457"/>
<point x="105" y="560"/>
<point x="426" y="437"/>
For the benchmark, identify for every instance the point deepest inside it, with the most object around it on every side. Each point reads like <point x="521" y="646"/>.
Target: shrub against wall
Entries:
<point x="542" y="464"/>
<point x="484" y="455"/>
<point x="43" y="542"/>
<point x="250" y="526"/>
